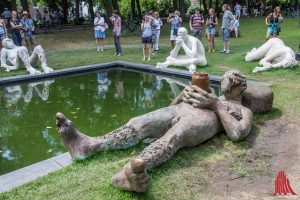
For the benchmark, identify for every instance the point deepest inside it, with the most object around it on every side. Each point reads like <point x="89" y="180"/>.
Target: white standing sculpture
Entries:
<point x="272" y="54"/>
<point x="14" y="57"/>
<point x="193" y="48"/>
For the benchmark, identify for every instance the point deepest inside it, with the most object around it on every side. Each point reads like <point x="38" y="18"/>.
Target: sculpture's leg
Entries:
<point x="38" y="54"/>
<point x="153" y="124"/>
<point x="189" y="130"/>
<point x="266" y="61"/>
<point x="24" y="58"/>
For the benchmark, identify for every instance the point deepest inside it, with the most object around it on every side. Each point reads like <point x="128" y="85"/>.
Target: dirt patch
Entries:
<point x="274" y="148"/>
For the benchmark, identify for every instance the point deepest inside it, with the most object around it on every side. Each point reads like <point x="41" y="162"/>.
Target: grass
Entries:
<point x="187" y="175"/>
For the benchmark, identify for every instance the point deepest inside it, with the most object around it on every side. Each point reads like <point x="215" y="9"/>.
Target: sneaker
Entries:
<point x="119" y="54"/>
<point x="116" y="53"/>
<point x="98" y="49"/>
<point x="226" y="52"/>
<point x="102" y="49"/>
<point x="223" y="51"/>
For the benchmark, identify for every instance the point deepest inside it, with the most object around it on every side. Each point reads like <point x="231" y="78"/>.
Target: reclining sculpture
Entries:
<point x="193" y="48"/>
<point x="272" y="54"/>
<point x="14" y="57"/>
<point x="193" y="117"/>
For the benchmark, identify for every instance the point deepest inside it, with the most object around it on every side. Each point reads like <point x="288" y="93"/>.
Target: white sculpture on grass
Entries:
<point x="14" y="57"/>
<point x="272" y="54"/>
<point x="193" y="48"/>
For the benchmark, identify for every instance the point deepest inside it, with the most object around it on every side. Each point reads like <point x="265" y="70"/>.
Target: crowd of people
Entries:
<point x="200" y="26"/>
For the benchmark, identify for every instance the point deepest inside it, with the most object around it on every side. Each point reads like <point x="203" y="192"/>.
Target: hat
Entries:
<point x="25" y="13"/>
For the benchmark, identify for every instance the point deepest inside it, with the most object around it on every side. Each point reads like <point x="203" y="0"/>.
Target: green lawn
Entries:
<point x="187" y="174"/>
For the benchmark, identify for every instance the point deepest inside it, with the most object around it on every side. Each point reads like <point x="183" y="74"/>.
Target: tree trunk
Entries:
<point x="65" y="4"/>
<point x="91" y="9"/>
<point x="217" y="8"/>
<point x="13" y="4"/>
<point x="274" y="3"/>
<point x="115" y="5"/>
<point x="77" y="9"/>
<point x="132" y="4"/>
<point x="204" y="6"/>
<point x="138" y="5"/>
<point x="210" y="3"/>
<point x="182" y="9"/>
<point x="175" y="4"/>
<point x="108" y="8"/>
<point x="24" y="4"/>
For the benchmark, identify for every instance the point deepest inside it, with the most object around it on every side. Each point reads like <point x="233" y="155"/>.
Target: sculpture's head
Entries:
<point x="233" y="84"/>
<point x="183" y="33"/>
<point x="8" y="43"/>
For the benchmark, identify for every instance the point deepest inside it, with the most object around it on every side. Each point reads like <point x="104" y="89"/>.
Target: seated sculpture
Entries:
<point x="193" y="48"/>
<point x="272" y="54"/>
<point x="14" y="57"/>
<point x="192" y="118"/>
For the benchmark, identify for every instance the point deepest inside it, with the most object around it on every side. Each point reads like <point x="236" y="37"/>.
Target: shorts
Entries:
<point x="147" y="40"/>
<point x="29" y="39"/>
<point x="211" y="31"/>
<point x="238" y="13"/>
<point x="225" y="34"/>
<point x="273" y="30"/>
<point x="99" y="34"/>
<point x="173" y="37"/>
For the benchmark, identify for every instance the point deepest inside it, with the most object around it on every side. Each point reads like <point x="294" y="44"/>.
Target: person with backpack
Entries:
<point x="274" y="25"/>
<point x="211" y="23"/>
<point x="16" y="29"/>
<point x="28" y="27"/>
<point x="99" y="27"/>
<point x="196" y="24"/>
<point x="175" y="20"/>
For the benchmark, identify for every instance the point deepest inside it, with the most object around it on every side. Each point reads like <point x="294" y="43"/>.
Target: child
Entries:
<point x="146" y="37"/>
<point x="235" y="26"/>
<point x="211" y="23"/>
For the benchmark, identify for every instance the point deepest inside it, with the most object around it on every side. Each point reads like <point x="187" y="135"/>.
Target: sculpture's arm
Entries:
<point x="3" y="60"/>
<point x="235" y="130"/>
<point x="190" y="52"/>
<point x="175" y="51"/>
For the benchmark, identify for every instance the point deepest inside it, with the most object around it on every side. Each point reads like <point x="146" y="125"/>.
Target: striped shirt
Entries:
<point x="197" y="21"/>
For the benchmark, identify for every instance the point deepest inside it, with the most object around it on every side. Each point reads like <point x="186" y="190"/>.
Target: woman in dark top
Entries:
<point x="273" y="22"/>
<point x="16" y="26"/>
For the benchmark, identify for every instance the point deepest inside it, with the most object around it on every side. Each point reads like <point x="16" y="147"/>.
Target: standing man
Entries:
<point x="237" y="10"/>
<point x="227" y="20"/>
<point x="28" y="28"/>
<point x="117" y="23"/>
<point x="196" y="24"/>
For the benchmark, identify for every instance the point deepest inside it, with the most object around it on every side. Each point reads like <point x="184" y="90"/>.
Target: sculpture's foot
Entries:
<point x="47" y="69"/>
<point x="259" y="69"/>
<point x="192" y="68"/>
<point x="79" y="145"/>
<point x="33" y="71"/>
<point x="161" y="65"/>
<point x="132" y="177"/>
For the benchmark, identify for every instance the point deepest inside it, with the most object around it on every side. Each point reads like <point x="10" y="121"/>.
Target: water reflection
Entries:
<point x="97" y="103"/>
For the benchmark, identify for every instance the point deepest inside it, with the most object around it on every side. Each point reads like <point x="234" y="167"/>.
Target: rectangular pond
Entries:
<point x="97" y="103"/>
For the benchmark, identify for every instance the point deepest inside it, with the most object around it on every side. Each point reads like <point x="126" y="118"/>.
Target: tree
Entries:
<point x="115" y="5"/>
<point x="182" y="9"/>
<point x="138" y="5"/>
<point x="13" y="4"/>
<point x="77" y="2"/>
<point x="132" y="4"/>
<point x="108" y="7"/>
<point x="175" y="4"/>
<point x="24" y="4"/>
<point x="91" y="9"/>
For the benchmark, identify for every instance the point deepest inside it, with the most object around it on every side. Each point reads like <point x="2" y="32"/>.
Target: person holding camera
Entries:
<point x="28" y="28"/>
<point x="175" y="20"/>
<point x="147" y="36"/>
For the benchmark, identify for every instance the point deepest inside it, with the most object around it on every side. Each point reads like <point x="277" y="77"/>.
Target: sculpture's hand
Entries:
<point x="185" y="93"/>
<point x="179" y="41"/>
<point x="200" y="98"/>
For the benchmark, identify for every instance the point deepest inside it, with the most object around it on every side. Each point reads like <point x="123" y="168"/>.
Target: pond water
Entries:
<point x="97" y="103"/>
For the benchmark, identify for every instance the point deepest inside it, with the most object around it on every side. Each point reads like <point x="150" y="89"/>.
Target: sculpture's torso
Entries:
<point x="11" y="55"/>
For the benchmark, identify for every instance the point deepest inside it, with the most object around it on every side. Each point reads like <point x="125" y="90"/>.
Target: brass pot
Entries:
<point x="201" y="80"/>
